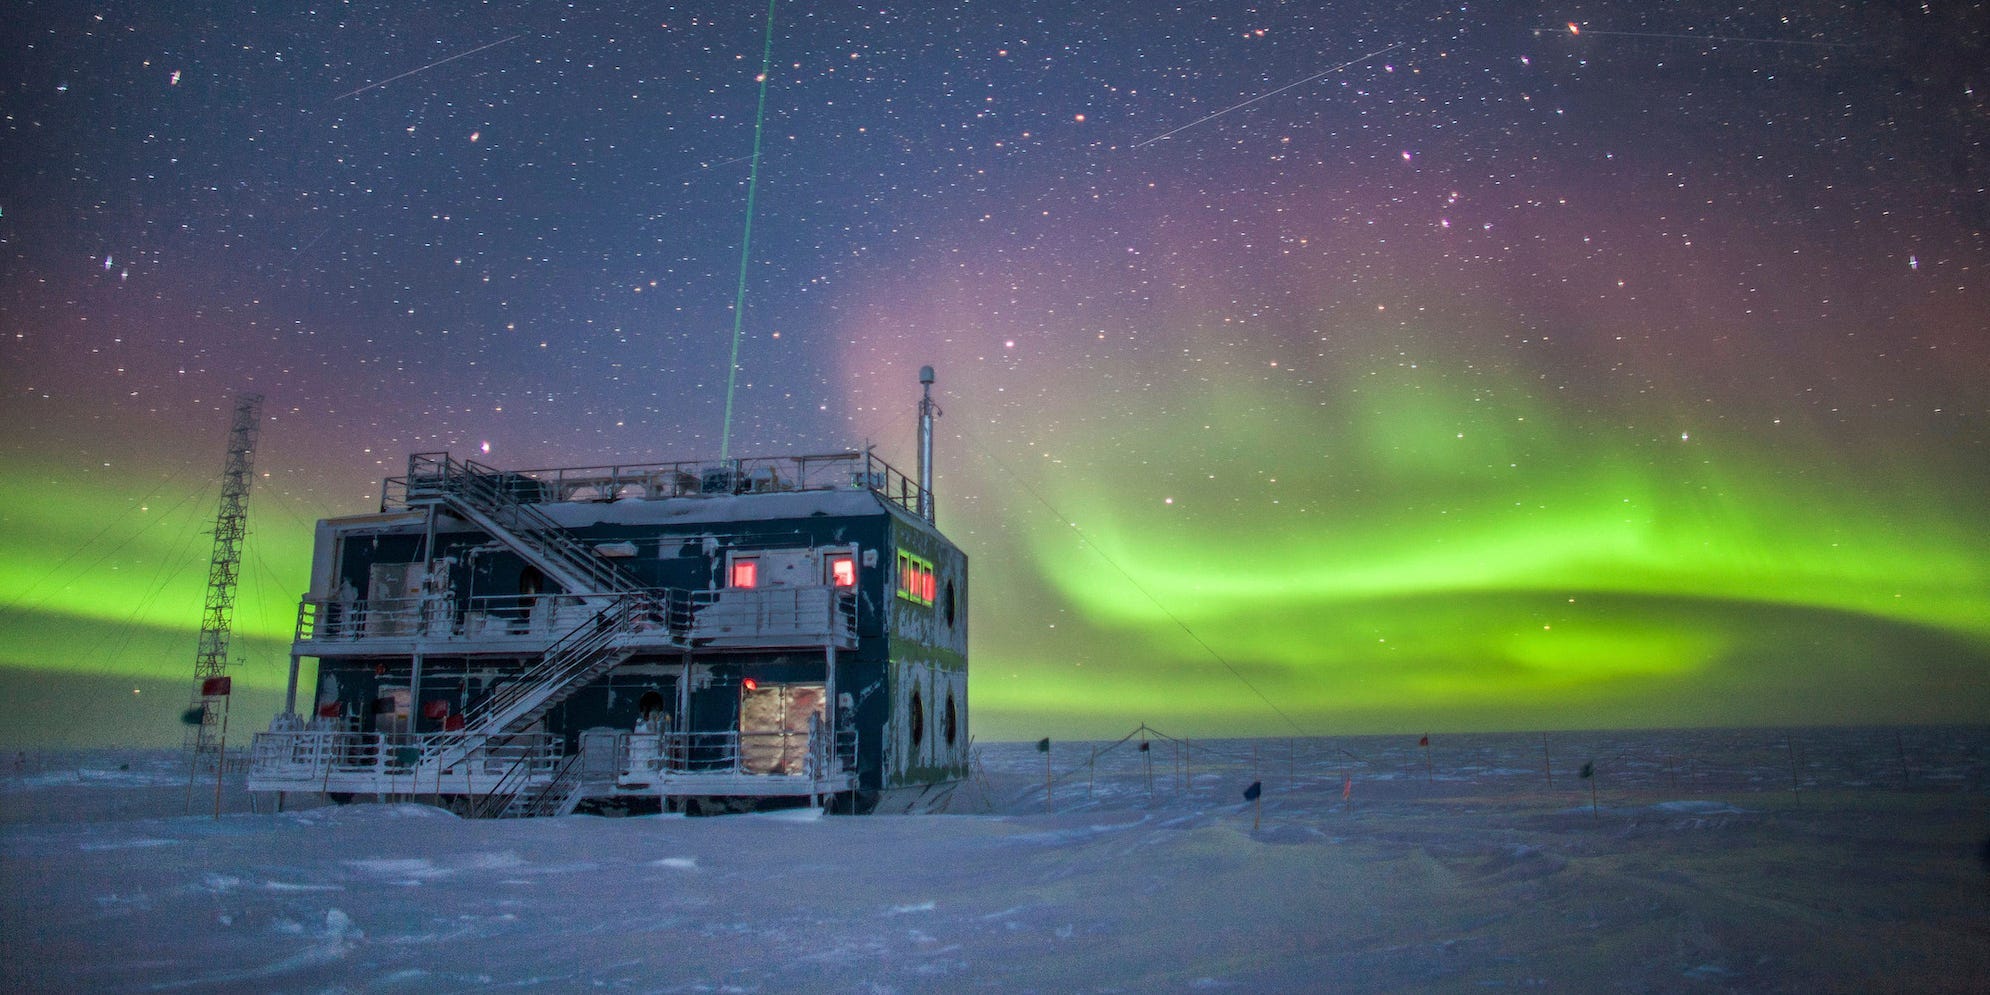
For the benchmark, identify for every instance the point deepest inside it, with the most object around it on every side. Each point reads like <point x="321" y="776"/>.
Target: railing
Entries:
<point x="546" y="800"/>
<point x="757" y="616"/>
<point x="774" y="615"/>
<point x="655" y="481"/>
<point x="567" y="664"/>
<point x="318" y="755"/>
<point x="523" y="618"/>
<point x="734" y="752"/>
<point x="506" y="499"/>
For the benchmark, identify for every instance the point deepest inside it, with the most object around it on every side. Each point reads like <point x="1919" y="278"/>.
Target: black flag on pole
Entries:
<point x="1043" y="745"/>
<point x="1589" y="769"/>
<point x="1251" y="793"/>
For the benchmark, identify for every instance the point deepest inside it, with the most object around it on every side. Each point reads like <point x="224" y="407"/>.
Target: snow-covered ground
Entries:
<point x="1820" y="861"/>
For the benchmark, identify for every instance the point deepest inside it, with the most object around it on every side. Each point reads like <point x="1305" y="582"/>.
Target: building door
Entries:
<point x="393" y="592"/>
<point x="774" y="721"/>
<point x="390" y="711"/>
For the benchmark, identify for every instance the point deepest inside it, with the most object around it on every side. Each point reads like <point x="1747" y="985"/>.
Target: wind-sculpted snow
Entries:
<point x="1424" y="874"/>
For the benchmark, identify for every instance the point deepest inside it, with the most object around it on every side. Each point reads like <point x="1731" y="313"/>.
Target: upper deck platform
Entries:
<point x="429" y="475"/>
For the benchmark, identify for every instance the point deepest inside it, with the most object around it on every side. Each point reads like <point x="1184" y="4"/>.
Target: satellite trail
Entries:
<point x="1270" y="93"/>
<point x="426" y="68"/>
<point x="1575" y="30"/>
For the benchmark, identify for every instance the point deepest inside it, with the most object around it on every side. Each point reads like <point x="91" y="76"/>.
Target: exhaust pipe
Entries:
<point x="927" y="412"/>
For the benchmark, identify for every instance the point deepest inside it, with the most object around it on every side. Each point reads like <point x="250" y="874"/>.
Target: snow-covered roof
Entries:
<point x="839" y="503"/>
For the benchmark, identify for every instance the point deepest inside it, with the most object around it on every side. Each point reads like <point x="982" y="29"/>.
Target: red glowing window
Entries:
<point x="916" y="579"/>
<point x="842" y="571"/>
<point x="746" y="573"/>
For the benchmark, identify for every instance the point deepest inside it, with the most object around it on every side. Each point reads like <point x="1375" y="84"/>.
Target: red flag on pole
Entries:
<point x="215" y="687"/>
<point x="1425" y="741"/>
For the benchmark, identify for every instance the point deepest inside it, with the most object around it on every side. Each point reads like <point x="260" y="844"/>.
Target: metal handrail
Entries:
<point x="491" y="806"/>
<point x="682" y="478"/>
<point x="562" y="779"/>
<point x="472" y="487"/>
<point x="771" y="612"/>
<point x="677" y="615"/>
<point x="313" y="753"/>
<point x="538" y="617"/>
<point x="558" y="669"/>
<point x="724" y="752"/>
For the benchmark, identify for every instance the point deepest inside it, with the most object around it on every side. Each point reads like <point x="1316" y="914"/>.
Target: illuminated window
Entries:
<point x="843" y="570"/>
<point x="745" y="572"/>
<point x="915" y="579"/>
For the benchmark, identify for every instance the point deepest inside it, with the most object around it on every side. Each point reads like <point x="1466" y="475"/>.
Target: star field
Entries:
<point x="1410" y="367"/>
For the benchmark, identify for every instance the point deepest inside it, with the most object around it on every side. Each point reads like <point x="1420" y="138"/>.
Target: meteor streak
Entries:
<point x="426" y="68"/>
<point x="1574" y="30"/>
<point x="1270" y="93"/>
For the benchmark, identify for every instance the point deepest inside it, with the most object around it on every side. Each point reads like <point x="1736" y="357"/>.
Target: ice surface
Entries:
<point x="1457" y="869"/>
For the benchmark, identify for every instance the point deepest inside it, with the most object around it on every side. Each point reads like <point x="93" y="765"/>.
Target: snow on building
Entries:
<point x="685" y="636"/>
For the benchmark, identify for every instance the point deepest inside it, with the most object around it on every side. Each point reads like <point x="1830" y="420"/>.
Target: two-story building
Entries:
<point x="675" y="636"/>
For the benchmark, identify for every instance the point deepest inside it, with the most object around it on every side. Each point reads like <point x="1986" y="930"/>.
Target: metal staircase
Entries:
<point x="559" y="797"/>
<point x="590" y="650"/>
<point x="487" y="498"/>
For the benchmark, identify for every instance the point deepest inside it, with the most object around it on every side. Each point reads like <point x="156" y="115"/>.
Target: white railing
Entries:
<point x="431" y="474"/>
<point x="320" y="756"/>
<point x="774" y="615"/>
<point x="733" y="753"/>
<point x="521" y="618"/>
<point x="756" y="616"/>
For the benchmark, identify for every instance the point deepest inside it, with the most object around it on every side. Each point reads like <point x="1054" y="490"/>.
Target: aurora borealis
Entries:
<point x="1509" y="379"/>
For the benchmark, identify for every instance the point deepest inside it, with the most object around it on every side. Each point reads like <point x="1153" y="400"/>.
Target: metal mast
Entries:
<point x="927" y="412"/>
<point x="231" y="524"/>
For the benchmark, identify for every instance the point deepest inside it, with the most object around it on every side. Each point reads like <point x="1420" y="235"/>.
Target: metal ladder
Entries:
<point x="477" y="493"/>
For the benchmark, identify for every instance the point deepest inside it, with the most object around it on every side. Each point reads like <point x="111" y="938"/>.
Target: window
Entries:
<point x="915" y="579"/>
<point x="843" y="570"/>
<point x="745" y="572"/>
<point x="918" y="717"/>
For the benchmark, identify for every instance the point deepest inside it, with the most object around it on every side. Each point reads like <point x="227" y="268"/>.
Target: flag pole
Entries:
<point x="1043" y="747"/>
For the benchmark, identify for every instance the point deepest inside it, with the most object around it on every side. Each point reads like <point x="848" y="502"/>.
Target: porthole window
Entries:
<point x="948" y="606"/>
<point x="918" y="715"/>
<point x="948" y="725"/>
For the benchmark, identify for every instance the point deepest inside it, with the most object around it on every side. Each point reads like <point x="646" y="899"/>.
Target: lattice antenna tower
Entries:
<point x="231" y="525"/>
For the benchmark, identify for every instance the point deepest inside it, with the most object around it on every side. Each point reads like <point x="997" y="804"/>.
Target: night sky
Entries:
<point x="1610" y="365"/>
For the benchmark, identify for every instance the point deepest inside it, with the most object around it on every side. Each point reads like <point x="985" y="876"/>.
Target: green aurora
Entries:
<point x="102" y="589"/>
<point x="1414" y="555"/>
<point x="1417" y="554"/>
